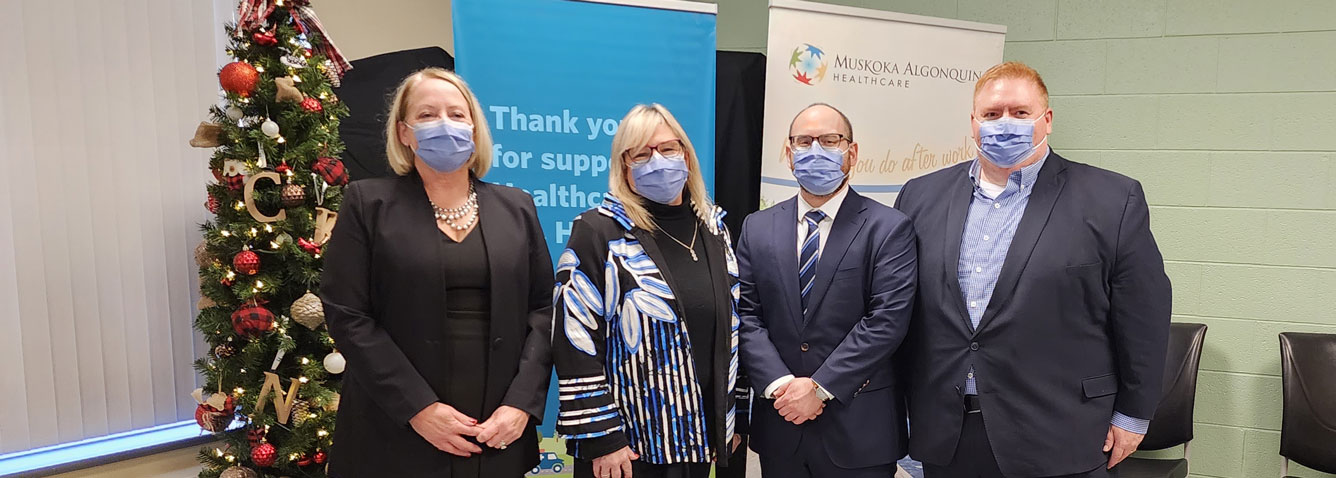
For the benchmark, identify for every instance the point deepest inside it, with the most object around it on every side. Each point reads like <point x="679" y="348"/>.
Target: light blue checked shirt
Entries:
<point x="989" y="228"/>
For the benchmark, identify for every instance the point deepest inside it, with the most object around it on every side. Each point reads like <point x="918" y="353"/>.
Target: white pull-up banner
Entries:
<point x="906" y="82"/>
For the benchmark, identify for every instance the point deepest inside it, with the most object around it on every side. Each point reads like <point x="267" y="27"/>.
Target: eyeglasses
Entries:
<point x="666" y="148"/>
<point x="804" y="142"/>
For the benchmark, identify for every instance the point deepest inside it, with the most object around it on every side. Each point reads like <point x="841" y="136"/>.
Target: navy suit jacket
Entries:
<point x="1077" y="326"/>
<point x="858" y="314"/>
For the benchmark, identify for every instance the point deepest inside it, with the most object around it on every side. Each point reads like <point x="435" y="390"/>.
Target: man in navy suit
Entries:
<point x="827" y="283"/>
<point x="1042" y="319"/>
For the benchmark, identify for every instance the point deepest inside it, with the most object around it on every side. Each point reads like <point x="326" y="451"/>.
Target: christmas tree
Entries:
<point x="271" y="378"/>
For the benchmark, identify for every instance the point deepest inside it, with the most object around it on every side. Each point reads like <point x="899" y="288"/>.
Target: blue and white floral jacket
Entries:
<point x="621" y="349"/>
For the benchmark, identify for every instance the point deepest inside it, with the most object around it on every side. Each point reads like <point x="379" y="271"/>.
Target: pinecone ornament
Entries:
<point x="239" y="472"/>
<point x="301" y="410"/>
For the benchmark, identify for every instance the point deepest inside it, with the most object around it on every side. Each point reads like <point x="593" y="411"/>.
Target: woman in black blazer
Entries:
<point x="438" y="288"/>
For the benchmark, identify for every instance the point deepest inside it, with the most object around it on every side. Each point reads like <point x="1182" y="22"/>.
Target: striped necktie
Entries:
<point x="810" y="254"/>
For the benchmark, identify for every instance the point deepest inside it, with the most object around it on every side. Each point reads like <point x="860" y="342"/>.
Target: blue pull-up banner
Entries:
<point x="556" y="76"/>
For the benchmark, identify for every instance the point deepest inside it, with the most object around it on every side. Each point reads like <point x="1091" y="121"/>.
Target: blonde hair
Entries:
<point x="634" y="133"/>
<point x="1014" y="70"/>
<point x="401" y="156"/>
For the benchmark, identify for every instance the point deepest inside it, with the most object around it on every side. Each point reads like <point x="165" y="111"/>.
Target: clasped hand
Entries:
<point x="445" y="428"/>
<point x="797" y="401"/>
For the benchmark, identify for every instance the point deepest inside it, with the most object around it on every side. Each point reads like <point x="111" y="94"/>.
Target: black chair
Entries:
<point x="1308" y="423"/>
<point x="1172" y="424"/>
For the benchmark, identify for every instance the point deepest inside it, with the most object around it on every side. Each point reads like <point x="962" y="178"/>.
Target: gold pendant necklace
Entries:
<point x="692" y="247"/>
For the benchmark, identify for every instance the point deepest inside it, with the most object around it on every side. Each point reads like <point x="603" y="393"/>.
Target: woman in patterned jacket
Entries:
<point x="645" y="332"/>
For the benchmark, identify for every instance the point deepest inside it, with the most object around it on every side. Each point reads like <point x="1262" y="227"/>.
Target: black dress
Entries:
<point x="467" y="321"/>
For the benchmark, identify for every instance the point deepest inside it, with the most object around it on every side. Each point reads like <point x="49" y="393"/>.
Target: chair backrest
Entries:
<point x="1308" y="424"/>
<point x="1172" y="424"/>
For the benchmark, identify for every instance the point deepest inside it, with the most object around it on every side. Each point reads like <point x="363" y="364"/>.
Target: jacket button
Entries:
<point x="803" y="347"/>
<point x="974" y="346"/>
<point x="496" y="343"/>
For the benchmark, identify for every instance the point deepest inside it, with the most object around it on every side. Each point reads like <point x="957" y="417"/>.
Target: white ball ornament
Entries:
<point x="234" y="113"/>
<point x="270" y="128"/>
<point x="334" y="362"/>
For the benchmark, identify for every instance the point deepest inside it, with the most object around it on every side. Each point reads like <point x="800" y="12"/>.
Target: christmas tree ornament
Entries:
<point x="308" y="311"/>
<point x="264" y="455"/>
<point x="265" y="38"/>
<point x="251" y="319"/>
<point x="262" y="161"/>
<point x="283" y="239"/>
<point x="301" y="411"/>
<point x="239" y="78"/>
<point x="309" y="246"/>
<point x="331" y="74"/>
<point x="233" y="113"/>
<point x="331" y="170"/>
<point x="319" y="457"/>
<point x="283" y="168"/>
<point x="215" y="413"/>
<point x="248" y="198"/>
<point x="204" y="302"/>
<point x="234" y="167"/>
<point x="246" y="262"/>
<point x="207" y="135"/>
<point x="238" y="472"/>
<point x="286" y="90"/>
<point x="269" y="128"/>
<point x="304" y="460"/>
<point x="212" y="204"/>
<point x="202" y="256"/>
<point x="224" y="351"/>
<point x="334" y="362"/>
<point x="312" y="105"/>
<point x="293" y="61"/>
<point x="234" y="182"/>
<point x="293" y="195"/>
<point x="324" y="224"/>
<point x="333" y="405"/>
<point x="255" y="435"/>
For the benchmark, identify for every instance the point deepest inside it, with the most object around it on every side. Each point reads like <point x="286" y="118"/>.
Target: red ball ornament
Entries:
<point x="304" y="460"/>
<point x="309" y="246"/>
<point x="215" y="420"/>
<point x="246" y="262"/>
<point x="283" y="168"/>
<point x="264" y="455"/>
<point x="252" y="319"/>
<point x="319" y="458"/>
<point x="265" y="38"/>
<point x="331" y="170"/>
<point x="312" y="105"/>
<point x="212" y="205"/>
<point x="239" y="77"/>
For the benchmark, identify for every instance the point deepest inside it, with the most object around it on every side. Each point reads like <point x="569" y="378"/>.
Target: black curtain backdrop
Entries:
<point x="739" y="110"/>
<point x="367" y="90"/>
<point x="739" y="114"/>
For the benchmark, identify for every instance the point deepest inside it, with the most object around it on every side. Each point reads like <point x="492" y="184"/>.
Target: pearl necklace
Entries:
<point x="453" y="216"/>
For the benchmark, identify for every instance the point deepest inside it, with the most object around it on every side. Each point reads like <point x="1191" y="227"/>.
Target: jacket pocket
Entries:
<point x="1100" y="386"/>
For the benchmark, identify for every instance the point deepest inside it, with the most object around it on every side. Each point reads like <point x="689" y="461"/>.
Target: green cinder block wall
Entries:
<point x="1226" y="111"/>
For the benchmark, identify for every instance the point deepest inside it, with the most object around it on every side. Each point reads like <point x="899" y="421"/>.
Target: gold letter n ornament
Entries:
<point x="282" y="404"/>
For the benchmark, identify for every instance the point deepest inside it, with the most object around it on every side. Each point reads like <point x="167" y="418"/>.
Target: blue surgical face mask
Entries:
<point x="819" y="170"/>
<point x="660" y="179"/>
<point x="443" y="144"/>
<point x="1006" y="142"/>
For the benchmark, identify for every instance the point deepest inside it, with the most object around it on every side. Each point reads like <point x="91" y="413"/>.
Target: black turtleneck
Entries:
<point x="692" y="282"/>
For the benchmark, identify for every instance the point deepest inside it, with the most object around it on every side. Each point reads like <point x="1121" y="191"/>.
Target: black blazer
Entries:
<point x="384" y="300"/>
<point x="859" y="313"/>
<point x="1076" y="329"/>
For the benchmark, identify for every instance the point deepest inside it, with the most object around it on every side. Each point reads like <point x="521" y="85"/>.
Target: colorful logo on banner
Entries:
<point x="808" y="64"/>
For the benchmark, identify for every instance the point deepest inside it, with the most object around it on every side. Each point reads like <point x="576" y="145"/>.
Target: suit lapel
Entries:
<point x="1046" y="190"/>
<point x="786" y="258"/>
<point x="958" y="207"/>
<point x="848" y="221"/>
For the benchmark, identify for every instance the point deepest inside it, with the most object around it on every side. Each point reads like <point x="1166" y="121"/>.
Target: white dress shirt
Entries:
<point x="830" y="208"/>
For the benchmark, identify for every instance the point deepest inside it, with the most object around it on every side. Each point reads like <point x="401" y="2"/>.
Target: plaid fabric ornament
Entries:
<point x="252" y="319"/>
<point x="331" y="170"/>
